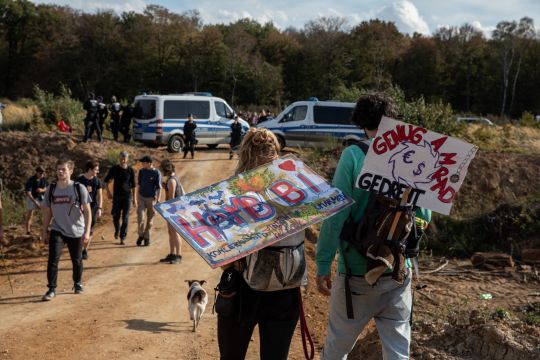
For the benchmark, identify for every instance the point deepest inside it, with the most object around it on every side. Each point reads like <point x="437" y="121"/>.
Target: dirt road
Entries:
<point x="133" y="308"/>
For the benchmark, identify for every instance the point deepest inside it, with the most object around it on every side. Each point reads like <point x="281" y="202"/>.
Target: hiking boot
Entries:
<point x="139" y="240"/>
<point x="167" y="258"/>
<point x="146" y="242"/>
<point x="176" y="259"/>
<point x="49" y="295"/>
<point x="116" y="236"/>
<point x="122" y="241"/>
<point x="78" y="288"/>
<point x="84" y="254"/>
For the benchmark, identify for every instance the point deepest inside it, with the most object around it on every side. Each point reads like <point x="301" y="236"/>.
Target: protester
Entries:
<point x="95" y="189"/>
<point x="125" y="121"/>
<point x="173" y="189"/>
<point x="190" y="136"/>
<point x="263" y="299"/>
<point x="91" y="122"/>
<point x="236" y="136"/>
<point x="35" y="189"/>
<point x="123" y="194"/>
<point x="115" y="108"/>
<point x="148" y="193"/>
<point x="68" y="205"/>
<point x="389" y="302"/>
<point x="103" y="113"/>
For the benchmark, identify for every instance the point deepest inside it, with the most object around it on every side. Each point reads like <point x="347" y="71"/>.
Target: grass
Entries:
<point x="13" y="208"/>
<point x="18" y="117"/>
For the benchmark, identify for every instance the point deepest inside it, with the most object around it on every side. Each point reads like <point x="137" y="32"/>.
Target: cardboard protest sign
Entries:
<point x="235" y="217"/>
<point x="404" y="155"/>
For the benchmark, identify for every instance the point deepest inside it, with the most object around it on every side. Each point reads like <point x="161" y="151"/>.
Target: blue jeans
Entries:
<point x="388" y="302"/>
<point x="120" y="208"/>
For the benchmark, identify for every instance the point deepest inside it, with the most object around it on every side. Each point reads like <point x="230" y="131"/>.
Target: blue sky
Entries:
<point x="423" y="16"/>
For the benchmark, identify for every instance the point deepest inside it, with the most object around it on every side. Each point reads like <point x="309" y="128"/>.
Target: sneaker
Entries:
<point x="139" y="240"/>
<point x="122" y="241"/>
<point x="175" y="259"/>
<point x="49" y="295"/>
<point x="167" y="258"/>
<point x="146" y="242"/>
<point x="116" y="236"/>
<point x="84" y="254"/>
<point x="78" y="288"/>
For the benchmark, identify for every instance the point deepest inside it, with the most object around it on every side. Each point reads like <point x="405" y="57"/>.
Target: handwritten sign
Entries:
<point x="235" y="217"/>
<point x="404" y="155"/>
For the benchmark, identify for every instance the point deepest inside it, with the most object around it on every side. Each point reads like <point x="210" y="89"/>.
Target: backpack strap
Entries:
<point x="51" y="192"/>
<point x="77" y="186"/>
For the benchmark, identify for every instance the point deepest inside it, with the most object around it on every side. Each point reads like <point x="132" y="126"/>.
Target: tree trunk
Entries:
<point x="514" y="86"/>
<point x="492" y="261"/>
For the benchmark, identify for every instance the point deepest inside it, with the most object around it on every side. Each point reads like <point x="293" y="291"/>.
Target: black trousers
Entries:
<point x="189" y="146"/>
<point x="124" y="129"/>
<point x="120" y="208"/>
<point x="115" y="128"/>
<point x="56" y="244"/>
<point x="89" y="127"/>
<point x="276" y="313"/>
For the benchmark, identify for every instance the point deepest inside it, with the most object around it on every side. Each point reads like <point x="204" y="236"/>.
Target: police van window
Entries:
<point x="332" y="115"/>
<point x="179" y="109"/>
<point x="145" y="109"/>
<point x="297" y="113"/>
<point x="223" y="110"/>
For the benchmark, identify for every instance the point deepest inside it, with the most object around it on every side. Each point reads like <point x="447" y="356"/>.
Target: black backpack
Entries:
<point x="373" y="228"/>
<point x="77" y="186"/>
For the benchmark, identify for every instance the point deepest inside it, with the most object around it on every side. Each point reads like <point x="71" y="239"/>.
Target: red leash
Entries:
<point x="306" y="336"/>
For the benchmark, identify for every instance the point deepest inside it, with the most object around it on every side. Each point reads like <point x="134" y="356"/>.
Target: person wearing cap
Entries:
<point x="123" y="194"/>
<point x="148" y="192"/>
<point x="35" y="189"/>
<point x="189" y="136"/>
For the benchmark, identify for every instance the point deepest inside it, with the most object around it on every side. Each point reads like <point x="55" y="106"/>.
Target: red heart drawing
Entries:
<point x="287" y="165"/>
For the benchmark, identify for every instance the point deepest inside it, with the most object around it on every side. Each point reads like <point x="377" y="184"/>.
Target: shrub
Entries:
<point x="13" y="207"/>
<point x="63" y="107"/>
<point x="19" y="116"/>
<point x="527" y="119"/>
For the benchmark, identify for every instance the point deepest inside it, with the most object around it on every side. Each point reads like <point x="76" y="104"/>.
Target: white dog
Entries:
<point x="197" y="300"/>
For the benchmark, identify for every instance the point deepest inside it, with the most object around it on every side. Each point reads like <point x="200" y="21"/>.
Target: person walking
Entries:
<point x="67" y="204"/>
<point x="35" y="188"/>
<point x="262" y="298"/>
<point x="125" y="121"/>
<point x="190" y="136"/>
<point x="389" y="302"/>
<point x="123" y="194"/>
<point x="148" y="193"/>
<point x="91" y="122"/>
<point x="95" y="189"/>
<point x="173" y="189"/>
<point x="115" y="108"/>
<point x="236" y="136"/>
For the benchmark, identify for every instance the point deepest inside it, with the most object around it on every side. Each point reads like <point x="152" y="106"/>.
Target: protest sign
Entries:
<point x="408" y="156"/>
<point x="235" y="217"/>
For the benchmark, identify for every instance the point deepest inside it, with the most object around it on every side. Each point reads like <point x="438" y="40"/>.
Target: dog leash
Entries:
<point x="306" y="336"/>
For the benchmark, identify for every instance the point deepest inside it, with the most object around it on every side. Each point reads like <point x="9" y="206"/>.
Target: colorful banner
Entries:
<point x="404" y="155"/>
<point x="235" y="217"/>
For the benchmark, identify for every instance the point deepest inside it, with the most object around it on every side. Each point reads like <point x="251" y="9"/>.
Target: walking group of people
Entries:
<point x="97" y="112"/>
<point x="250" y="292"/>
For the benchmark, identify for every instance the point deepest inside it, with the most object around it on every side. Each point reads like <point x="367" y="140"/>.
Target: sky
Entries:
<point x="422" y="16"/>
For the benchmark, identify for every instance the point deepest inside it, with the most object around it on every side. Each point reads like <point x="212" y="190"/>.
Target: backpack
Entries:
<point x="373" y="228"/>
<point x="76" y="185"/>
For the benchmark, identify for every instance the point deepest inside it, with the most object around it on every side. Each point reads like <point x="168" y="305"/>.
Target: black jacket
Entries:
<point x="189" y="130"/>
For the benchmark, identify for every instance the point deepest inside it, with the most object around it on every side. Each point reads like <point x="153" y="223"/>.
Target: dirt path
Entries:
<point x="133" y="308"/>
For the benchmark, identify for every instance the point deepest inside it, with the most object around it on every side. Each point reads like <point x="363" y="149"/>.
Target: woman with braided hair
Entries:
<point x="266" y="294"/>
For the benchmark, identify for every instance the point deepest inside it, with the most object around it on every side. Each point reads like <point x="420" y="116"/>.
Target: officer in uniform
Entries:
<point x="91" y="122"/>
<point x="115" y="109"/>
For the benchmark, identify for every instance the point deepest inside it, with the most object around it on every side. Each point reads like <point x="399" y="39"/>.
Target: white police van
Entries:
<point x="160" y="119"/>
<point x="315" y="123"/>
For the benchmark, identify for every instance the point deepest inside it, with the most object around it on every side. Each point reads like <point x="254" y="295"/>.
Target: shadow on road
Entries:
<point x="154" y="326"/>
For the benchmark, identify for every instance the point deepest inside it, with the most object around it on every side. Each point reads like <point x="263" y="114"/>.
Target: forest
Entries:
<point x="248" y="63"/>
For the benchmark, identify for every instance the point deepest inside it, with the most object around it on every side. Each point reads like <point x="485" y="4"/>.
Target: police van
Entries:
<point x="315" y="123"/>
<point x="160" y="119"/>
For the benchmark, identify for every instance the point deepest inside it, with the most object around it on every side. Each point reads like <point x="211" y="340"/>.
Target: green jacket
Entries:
<point x="347" y="171"/>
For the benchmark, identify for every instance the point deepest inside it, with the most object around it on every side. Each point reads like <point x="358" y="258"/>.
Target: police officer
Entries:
<point x="189" y="136"/>
<point x="91" y="122"/>
<point x="125" y="121"/>
<point x="115" y="109"/>
<point x="102" y="113"/>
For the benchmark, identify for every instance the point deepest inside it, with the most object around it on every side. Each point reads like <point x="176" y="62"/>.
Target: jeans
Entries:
<point x="388" y="302"/>
<point x="120" y="207"/>
<point x="89" y="127"/>
<point x="276" y="313"/>
<point x="145" y="203"/>
<point x="56" y="244"/>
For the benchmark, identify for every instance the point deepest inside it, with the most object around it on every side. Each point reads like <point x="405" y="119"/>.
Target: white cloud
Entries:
<point x="115" y="5"/>
<point x="406" y="17"/>
<point x="222" y="16"/>
<point x="487" y="30"/>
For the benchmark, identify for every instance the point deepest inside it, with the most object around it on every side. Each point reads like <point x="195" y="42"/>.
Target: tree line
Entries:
<point x="248" y="63"/>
